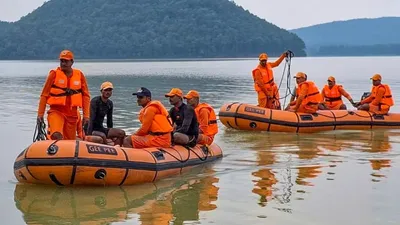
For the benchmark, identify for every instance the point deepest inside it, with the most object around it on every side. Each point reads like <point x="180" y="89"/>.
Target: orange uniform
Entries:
<point x="333" y="96"/>
<point x="64" y="95"/>
<point x="264" y="85"/>
<point x="207" y="123"/>
<point x="380" y="100"/>
<point x="156" y="127"/>
<point x="308" y="98"/>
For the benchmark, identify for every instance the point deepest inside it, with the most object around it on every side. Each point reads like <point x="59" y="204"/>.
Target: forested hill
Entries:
<point x="377" y="36"/>
<point x="143" y="29"/>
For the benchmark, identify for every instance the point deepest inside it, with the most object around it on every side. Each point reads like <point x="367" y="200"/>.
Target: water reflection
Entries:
<point x="169" y="201"/>
<point x="292" y="162"/>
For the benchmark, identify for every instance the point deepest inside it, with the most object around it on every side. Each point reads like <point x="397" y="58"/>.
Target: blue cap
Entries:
<point x="143" y="92"/>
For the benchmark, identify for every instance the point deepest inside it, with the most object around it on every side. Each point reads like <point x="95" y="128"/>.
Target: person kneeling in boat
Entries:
<point x="380" y="100"/>
<point x="100" y="107"/>
<point x="156" y="127"/>
<point x="308" y="98"/>
<point x="206" y="117"/>
<point x="65" y="91"/>
<point x="264" y="85"/>
<point x="332" y="96"/>
<point x="186" y="127"/>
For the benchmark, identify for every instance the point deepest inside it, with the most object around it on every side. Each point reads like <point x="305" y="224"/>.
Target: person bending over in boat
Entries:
<point x="206" y="117"/>
<point x="156" y="128"/>
<point x="264" y="85"/>
<point x="100" y="107"/>
<point x="65" y="91"/>
<point x="332" y="96"/>
<point x="186" y="127"/>
<point x="380" y="100"/>
<point x="308" y="98"/>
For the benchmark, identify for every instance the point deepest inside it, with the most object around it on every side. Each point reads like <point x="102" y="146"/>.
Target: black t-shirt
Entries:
<point x="185" y="119"/>
<point x="98" y="110"/>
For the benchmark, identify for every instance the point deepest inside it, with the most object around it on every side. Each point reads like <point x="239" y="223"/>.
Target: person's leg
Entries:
<point x="70" y="128"/>
<point x="55" y="121"/>
<point x="118" y="134"/>
<point x="181" y="139"/>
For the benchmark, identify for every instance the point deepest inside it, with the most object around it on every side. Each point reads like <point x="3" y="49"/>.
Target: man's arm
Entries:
<point x="85" y="97"/>
<point x="147" y="121"/>
<point x="93" y="113"/>
<point x="46" y="93"/>
<point x="302" y="95"/>
<point x="345" y="94"/>
<point x="278" y="61"/>
<point x="259" y="82"/>
<point x="188" y="117"/>
<point x="110" y="116"/>
<point x="379" y="95"/>
<point x="203" y="120"/>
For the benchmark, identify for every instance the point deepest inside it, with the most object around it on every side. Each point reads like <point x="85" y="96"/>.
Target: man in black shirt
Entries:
<point x="186" y="127"/>
<point x="101" y="106"/>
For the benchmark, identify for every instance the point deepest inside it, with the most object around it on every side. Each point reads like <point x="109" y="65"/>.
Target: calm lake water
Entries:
<point x="349" y="177"/>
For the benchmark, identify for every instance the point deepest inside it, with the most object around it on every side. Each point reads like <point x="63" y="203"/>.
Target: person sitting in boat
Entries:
<point x="65" y="91"/>
<point x="100" y="107"/>
<point x="156" y="129"/>
<point x="264" y="85"/>
<point x="308" y="98"/>
<point x="380" y="100"/>
<point x="332" y="96"/>
<point x="206" y="117"/>
<point x="186" y="127"/>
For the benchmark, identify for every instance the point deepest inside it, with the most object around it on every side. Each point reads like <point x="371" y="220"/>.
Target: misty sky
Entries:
<point x="297" y="13"/>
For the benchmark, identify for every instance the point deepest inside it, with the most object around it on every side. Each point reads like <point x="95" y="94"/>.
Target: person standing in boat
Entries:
<point x="206" y="117"/>
<point x="332" y="96"/>
<point x="65" y="90"/>
<point x="264" y="85"/>
<point x="309" y="96"/>
<point x="156" y="128"/>
<point x="186" y="127"/>
<point x="100" y="107"/>
<point x="380" y="100"/>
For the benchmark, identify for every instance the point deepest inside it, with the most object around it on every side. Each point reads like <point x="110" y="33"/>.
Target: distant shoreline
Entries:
<point x="192" y="59"/>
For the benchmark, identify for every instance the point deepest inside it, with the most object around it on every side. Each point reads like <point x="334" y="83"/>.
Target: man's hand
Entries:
<point x="40" y="119"/>
<point x="85" y="121"/>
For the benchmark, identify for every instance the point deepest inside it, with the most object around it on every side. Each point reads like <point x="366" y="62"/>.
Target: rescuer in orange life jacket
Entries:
<point x="380" y="100"/>
<point x="206" y="118"/>
<point x="332" y="96"/>
<point x="65" y="90"/>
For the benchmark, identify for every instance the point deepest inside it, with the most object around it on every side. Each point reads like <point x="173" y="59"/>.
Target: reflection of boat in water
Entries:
<point x="159" y="203"/>
<point x="248" y="117"/>
<point x="70" y="162"/>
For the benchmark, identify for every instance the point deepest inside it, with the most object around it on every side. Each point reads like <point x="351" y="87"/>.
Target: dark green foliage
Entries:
<point x="144" y="29"/>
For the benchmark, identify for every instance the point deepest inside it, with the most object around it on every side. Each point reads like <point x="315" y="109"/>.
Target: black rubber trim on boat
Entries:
<point x="106" y="163"/>
<point x="236" y="113"/>
<point x="298" y="122"/>
<point x="72" y="180"/>
<point x="127" y="170"/>
<point x="270" y="118"/>
<point x="55" y="180"/>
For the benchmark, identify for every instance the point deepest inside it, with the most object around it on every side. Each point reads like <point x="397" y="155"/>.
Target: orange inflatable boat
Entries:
<point x="70" y="162"/>
<point x="248" y="117"/>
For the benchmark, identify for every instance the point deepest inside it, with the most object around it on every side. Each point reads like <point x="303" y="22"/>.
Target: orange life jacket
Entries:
<point x="267" y="76"/>
<point x="313" y="96"/>
<point x="64" y="87"/>
<point x="212" y="127"/>
<point x="162" y="123"/>
<point x="332" y="95"/>
<point x="387" y="98"/>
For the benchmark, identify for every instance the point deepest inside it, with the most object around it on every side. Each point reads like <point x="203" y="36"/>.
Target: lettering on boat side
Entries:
<point x="254" y="110"/>
<point x="96" y="149"/>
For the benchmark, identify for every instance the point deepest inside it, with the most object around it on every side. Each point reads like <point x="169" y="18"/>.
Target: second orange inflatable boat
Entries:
<point x="248" y="117"/>
<point x="73" y="162"/>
